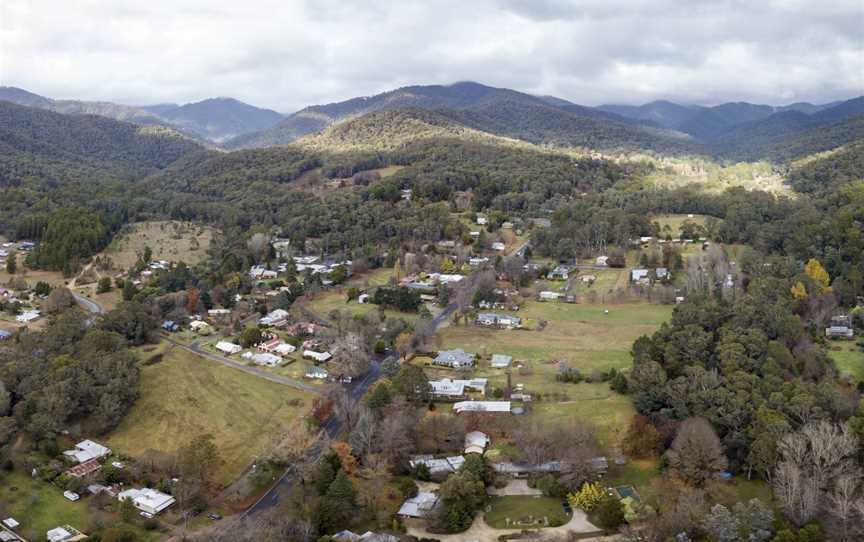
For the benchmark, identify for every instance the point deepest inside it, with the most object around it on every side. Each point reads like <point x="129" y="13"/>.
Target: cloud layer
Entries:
<point x="285" y="54"/>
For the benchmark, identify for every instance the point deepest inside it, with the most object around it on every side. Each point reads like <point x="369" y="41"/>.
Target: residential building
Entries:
<point x="498" y="246"/>
<point x="368" y="536"/>
<point x="260" y="272"/>
<point x="66" y="533"/>
<point x="477" y="262"/>
<point x="476" y="442"/>
<point x="456" y="358"/>
<point x="639" y="275"/>
<point x="441" y="278"/>
<point x="147" y="500"/>
<point x="275" y="318"/>
<point x="199" y="326"/>
<point x="4" y="334"/>
<point x="217" y="313"/>
<point x="87" y="450"/>
<point x="481" y="220"/>
<point x="662" y="273"/>
<point x="83" y="469"/>
<point x="447" y="388"/>
<point x="437" y="466"/>
<point x="284" y="349"/>
<point x="263" y="358"/>
<point x="504" y="321"/>
<point x="363" y="299"/>
<point x="491" y="407"/>
<point x="170" y="326"/>
<point x="602" y="261"/>
<point x="269" y="346"/>
<point x="228" y="347"/>
<point x="500" y="361"/>
<point x="549" y="296"/>
<point x="317" y="356"/>
<point x="27" y="316"/>
<point x="419" y="506"/>
<point x="561" y="272"/>
<point x="316" y="372"/>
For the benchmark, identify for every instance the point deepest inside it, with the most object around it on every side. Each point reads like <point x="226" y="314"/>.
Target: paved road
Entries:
<point x="88" y="304"/>
<point x="356" y="389"/>
<point x="279" y="379"/>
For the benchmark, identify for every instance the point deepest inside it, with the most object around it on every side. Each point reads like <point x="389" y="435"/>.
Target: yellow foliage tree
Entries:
<point x="587" y="497"/>
<point x="799" y="291"/>
<point x="447" y="266"/>
<point x="817" y="273"/>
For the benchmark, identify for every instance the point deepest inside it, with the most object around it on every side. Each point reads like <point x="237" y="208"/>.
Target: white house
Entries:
<point x="499" y="246"/>
<point x="476" y="442"/>
<point x="561" y="272"/>
<point x="443" y="278"/>
<point x="363" y="298"/>
<point x="482" y="406"/>
<point x="481" y="220"/>
<point x="456" y="358"/>
<point x="316" y="372"/>
<point x="66" y="533"/>
<point x="87" y="450"/>
<point x="216" y="313"/>
<point x="500" y="361"/>
<point x="264" y="358"/>
<point x="199" y="326"/>
<point x="419" y="506"/>
<point x="491" y="319"/>
<point x="259" y="272"/>
<point x="602" y="261"/>
<point x="477" y="262"/>
<point x="456" y="388"/>
<point x="27" y="316"/>
<point x="637" y="275"/>
<point x="549" y="296"/>
<point x="317" y="356"/>
<point x="275" y="318"/>
<point x="285" y="349"/>
<point x="228" y="347"/>
<point x="147" y="499"/>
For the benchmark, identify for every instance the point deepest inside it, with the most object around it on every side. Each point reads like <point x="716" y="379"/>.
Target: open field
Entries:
<point x="674" y="222"/>
<point x="581" y="334"/>
<point x="848" y="358"/>
<point x="169" y="240"/>
<point x="334" y="299"/>
<point x="184" y="396"/>
<point x="39" y="506"/>
<point x="521" y="508"/>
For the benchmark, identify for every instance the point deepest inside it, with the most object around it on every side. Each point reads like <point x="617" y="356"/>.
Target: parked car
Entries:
<point x="214" y="516"/>
<point x="147" y="515"/>
<point x="71" y="495"/>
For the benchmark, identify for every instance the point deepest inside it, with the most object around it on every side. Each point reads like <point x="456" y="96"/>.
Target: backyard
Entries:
<point x="848" y="357"/>
<point x="183" y="396"/>
<point x="513" y="512"/>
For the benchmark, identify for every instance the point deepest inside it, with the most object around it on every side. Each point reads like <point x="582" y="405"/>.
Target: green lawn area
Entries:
<point x="609" y="411"/>
<point x="184" y="396"/>
<point x="637" y="473"/>
<point x="849" y="359"/>
<point x="580" y="334"/>
<point x="39" y="506"/>
<point x="524" y="509"/>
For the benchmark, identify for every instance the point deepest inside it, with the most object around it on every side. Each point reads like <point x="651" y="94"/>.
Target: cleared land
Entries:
<point x="327" y="301"/>
<point x="849" y="359"/>
<point x="39" y="506"/>
<point x="674" y="222"/>
<point x="184" y="396"/>
<point x="169" y="240"/>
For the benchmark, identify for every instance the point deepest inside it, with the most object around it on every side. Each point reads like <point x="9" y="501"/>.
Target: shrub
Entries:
<point x="551" y="487"/>
<point x="407" y="487"/>
<point x="587" y="497"/>
<point x="608" y="514"/>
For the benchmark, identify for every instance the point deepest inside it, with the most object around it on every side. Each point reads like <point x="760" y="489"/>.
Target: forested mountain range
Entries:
<point x="214" y="120"/>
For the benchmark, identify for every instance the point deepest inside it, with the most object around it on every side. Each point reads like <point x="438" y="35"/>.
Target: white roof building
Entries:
<point x="263" y="358"/>
<point x="316" y="372"/>
<point x="11" y="523"/>
<point x="147" y="499"/>
<point x="419" y="506"/>
<point x="317" y="356"/>
<point x="66" y="533"/>
<point x="27" y="316"/>
<point x="549" y="296"/>
<point x="476" y="442"/>
<point x="442" y="278"/>
<point x="456" y="358"/>
<point x="228" y="347"/>
<point x="638" y="274"/>
<point x="284" y="349"/>
<point x="276" y="317"/>
<point x="602" y="260"/>
<point x="482" y="406"/>
<point x="500" y="361"/>
<point x="87" y="450"/>
<point x="498" y="246"/>
<point x="456" y="388"/>
<point x="198" y="325"/>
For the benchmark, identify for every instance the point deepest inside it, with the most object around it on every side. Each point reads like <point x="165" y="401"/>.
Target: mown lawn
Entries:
<point x="524" y="509"/>
<point x="848" y="358"/>
<point x="184" y="396"/>
<point x="608" y="411"/>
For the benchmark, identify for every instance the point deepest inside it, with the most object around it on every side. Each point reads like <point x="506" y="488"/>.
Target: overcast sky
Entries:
<point x="285" y="54"/>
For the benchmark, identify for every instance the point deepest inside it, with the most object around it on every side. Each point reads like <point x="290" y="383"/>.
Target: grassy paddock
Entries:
<point x="848" y="358"/>
<point x="39" y="506"/>
<point x="184" y="396"/>
<point x="169" y="240"/>
<point x="674" y="222"/>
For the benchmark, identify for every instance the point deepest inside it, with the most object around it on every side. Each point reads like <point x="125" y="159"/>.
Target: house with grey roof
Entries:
<point x="500" y="361"/>
<point x="456" y="358"/>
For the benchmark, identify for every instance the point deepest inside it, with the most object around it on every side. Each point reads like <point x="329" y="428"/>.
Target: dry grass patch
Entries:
<point x="169" y="240"/>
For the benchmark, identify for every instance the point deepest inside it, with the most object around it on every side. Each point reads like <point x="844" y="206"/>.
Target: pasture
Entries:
<point x="183" y="396"/>
<point x="848" y="357"/>
<point x="674" y="222"/>
<point x="169" y="240"/>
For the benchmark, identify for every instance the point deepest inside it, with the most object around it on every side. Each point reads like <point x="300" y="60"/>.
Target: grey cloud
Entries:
<point x="285" y="54"/>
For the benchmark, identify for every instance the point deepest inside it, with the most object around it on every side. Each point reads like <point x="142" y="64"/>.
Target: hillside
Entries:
<point x="79" y="107"/>
<point x="218" y="119"/>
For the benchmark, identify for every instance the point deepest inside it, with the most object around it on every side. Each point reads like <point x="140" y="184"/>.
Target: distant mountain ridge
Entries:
<point x="215" y="119"/>
<point x="458" y="96"/>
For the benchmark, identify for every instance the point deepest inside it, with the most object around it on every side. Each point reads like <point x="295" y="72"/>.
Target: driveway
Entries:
<point x="516" y="486"/>
<point x="479" y="530"/>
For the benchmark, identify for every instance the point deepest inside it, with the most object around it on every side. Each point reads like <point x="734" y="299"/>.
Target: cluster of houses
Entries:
<point x="643" y="277"/>
<point x="86" y="458"/>
<point x="500" y="321"/>
<point x="458" y="358"/>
